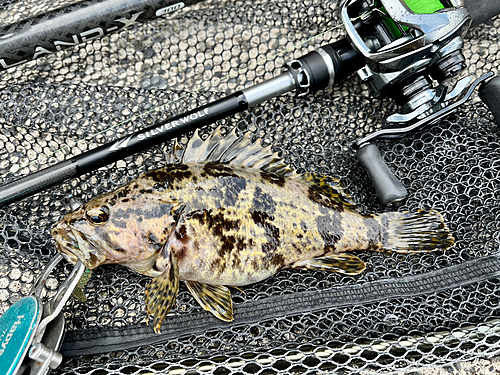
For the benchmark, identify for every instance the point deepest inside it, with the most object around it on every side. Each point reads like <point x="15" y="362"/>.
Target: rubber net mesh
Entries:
<point x="83" y="97"/>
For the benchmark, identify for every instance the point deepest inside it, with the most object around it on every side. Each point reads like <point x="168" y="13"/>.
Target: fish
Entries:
<point x="227" y="212"/>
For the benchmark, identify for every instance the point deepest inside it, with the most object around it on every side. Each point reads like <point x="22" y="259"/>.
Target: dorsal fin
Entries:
<point x="175" y="156"/>
<point x="241" y="151"/>
<point x="329" y="187"/>
<point x="231" y="149"/>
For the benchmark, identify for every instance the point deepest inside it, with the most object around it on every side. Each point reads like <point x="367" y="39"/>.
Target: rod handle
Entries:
<point x="482" y="10"/>
<point x="36" y="182"/>
<point x="387" y="187"/>
<point x="489" y="93"/>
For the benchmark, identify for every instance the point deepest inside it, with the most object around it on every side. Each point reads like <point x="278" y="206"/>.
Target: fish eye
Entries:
<point x="98" y="215"/>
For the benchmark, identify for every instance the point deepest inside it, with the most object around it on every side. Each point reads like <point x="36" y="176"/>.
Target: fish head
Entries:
<point x="123" y="230"/>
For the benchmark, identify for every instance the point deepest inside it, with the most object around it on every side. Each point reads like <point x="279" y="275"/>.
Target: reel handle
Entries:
<point x="387" y="186"/>
<point x="489" y="93"/>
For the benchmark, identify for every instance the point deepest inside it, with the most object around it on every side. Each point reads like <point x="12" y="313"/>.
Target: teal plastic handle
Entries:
<point x="17" y="328"/>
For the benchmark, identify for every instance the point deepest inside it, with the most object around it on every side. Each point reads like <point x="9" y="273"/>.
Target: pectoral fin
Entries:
<point x="343" y="263"/>
<point x="162" y="291"/>
<point x="213" y="298"/>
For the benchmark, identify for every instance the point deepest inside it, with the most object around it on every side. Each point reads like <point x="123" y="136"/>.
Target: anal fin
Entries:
<point x="347" y="264"/>
<point x="162" y="291"/>
<point x="213" y="298"/>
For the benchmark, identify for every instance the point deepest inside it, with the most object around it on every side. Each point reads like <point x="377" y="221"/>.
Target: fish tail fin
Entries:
<point x="414" y="232"/>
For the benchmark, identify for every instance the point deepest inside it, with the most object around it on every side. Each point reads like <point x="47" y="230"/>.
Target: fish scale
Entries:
<point x="230" y="213"/>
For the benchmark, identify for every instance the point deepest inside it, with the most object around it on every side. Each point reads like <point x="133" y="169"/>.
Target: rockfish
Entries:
<point x="228" y="212"/>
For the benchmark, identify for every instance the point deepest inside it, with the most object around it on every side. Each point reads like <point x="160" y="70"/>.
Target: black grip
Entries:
<point x="346" y="60"/>
<point x="482" y="10"/>
<point x="36" y="182"/>
<point x="489" y="93"/>
<point x="387" y="187"/>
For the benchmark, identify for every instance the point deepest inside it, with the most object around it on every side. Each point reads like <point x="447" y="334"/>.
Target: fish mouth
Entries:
<point x="74" y="245"/>
<point x="67" y="245"/>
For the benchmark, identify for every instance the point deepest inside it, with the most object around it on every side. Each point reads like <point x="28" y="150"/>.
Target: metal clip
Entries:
<point x="43" y="353"/>
<point x="53" y="308"/>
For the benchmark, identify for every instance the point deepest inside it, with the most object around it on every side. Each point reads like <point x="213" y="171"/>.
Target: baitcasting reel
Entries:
<point x="411" y="50"/>
<point x="407" y="50"/>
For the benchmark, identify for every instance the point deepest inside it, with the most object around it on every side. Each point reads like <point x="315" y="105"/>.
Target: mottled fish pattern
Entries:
<point x="228" y="212"/>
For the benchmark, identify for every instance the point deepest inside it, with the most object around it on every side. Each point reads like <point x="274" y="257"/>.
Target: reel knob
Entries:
<point x="387" y="186"/>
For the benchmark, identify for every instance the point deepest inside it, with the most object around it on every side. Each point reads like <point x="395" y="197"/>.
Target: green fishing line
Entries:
<point x="424" y="6"/>
<point x="416" y="6"/>
<point x="78" y="291"/>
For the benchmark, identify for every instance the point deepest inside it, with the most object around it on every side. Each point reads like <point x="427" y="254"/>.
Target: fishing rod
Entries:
<point x="398" y="51"/>
<point x="312" y="72"/>
<point x="76" y="24"/>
